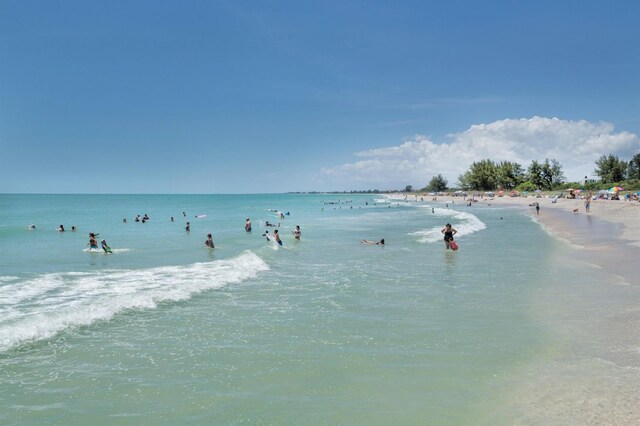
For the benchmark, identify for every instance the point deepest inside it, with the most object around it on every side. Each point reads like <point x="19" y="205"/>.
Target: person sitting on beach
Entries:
<point x="247" y="225"/>
<point x="61" y="228"/>
<point x="379" y="243"/>
<point x="448" y="232"/>
<point x="297" y="233"/>
<point x="209" y="241"/>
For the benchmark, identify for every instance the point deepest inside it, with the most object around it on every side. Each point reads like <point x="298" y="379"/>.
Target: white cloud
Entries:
<point x="575" y="144"/>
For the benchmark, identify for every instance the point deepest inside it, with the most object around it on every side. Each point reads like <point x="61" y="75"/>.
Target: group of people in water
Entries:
<point x="448" y="231"/>
<point x="93" y="243"/>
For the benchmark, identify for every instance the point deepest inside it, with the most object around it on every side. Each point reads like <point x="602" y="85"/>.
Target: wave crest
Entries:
<point x="38" y="308"/>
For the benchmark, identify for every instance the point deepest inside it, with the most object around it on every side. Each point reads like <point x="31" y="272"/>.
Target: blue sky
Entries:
<point x="246" y="97"/>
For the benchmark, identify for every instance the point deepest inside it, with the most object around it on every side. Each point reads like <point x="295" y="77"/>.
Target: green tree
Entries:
<point x="610" y="168"/>
<point x="633" y="169"/>
<point x="534" y="174"/>
<point x="509" y="175"/>
<point x="408" y="188"/>
<point x="437" y="184"/>
<point x="552" y="174"/>
<point x="481" y="176"/>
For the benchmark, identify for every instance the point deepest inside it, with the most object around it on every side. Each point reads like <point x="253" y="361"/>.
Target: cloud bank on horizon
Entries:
<point x="575" y="144"/>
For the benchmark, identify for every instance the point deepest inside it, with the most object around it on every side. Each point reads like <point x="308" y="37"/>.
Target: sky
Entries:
<point x="278" y="96"/>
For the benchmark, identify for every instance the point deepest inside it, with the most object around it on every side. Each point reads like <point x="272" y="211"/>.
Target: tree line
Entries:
<point x="487" y="175"/>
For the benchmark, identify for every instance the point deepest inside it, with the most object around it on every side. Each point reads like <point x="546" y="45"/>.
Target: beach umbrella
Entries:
<point x="615" y="189"/>
<point x="537" y="190"/>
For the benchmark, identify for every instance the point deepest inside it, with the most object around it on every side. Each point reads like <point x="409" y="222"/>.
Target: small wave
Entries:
<point x="38" y="308"/>
<point x="465" y="223"/>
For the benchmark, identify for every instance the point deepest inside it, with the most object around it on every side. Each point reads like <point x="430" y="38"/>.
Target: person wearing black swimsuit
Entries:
<point x="448" y="232"/>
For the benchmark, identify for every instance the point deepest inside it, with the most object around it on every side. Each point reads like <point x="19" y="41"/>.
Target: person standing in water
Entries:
<point x="105" y="246"/>
<point x="209" y="241"/>
<point x="297" y="233"/>
<point x="276" y="237"/>
<point x="247" y="225"/>
<point x="188" y="227"/>
<point x="93" y="243"/>
<point x="448" y="232"/>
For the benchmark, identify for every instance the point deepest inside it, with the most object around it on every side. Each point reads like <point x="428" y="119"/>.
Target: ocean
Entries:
<point x="325" y="330"/>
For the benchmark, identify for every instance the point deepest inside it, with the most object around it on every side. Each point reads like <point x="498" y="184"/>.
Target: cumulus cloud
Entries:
<point x="575" y="144"/>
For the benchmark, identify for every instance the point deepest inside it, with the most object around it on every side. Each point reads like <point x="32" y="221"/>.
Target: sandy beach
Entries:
<point x="625" y="213"/>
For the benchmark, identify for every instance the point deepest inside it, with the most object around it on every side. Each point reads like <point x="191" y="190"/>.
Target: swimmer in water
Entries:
<point x="379" y="243"/>
<point x="297" y="233"/>
<point x="448" y="232"/>
<point x="209" y="241"/>
<point x="276" y="236"/>
<point x="93" y="243"/>
<point x="105" y="246"/>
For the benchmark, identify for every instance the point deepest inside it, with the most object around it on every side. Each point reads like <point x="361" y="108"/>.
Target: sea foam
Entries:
<point x="39" y="307"/>
<point x="465" y="223"/>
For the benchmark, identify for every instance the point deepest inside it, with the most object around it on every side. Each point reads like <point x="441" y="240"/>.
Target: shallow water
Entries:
<point x="322" y="330"/>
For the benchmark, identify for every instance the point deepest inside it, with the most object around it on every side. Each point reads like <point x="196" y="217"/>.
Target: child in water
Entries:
<point x="105" y="246"/>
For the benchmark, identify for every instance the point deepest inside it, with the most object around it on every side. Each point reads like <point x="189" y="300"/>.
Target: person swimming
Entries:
<point x="379" y="243"/>
<point x="61" y="228"/>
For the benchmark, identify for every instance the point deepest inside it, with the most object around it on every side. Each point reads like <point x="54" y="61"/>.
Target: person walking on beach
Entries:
<point x="209" y="241"/>
<point x="587" y="203"/>
<point x="247" y="225"/>
<point x="297" y="233"/>
<point x="448" y="232"/>
<point x="537" y="208"/>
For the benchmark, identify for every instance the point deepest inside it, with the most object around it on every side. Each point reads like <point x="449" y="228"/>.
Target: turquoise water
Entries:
<point x="324" y="330"/>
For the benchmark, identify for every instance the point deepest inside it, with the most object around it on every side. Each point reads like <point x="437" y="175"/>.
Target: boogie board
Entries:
<point x="453" y="245"/>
